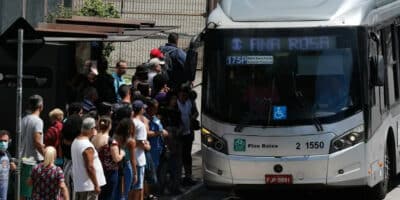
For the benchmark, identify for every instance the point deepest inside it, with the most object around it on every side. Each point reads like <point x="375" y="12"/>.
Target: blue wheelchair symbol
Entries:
<point x="280" y="113"/>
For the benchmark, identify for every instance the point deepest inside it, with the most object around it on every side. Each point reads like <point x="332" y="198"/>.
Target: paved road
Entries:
<point x="354" y="194"/>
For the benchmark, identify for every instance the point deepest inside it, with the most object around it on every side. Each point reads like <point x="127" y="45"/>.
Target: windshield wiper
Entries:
<point x="317" y="123"/>
<point x="269" y="107"/>
<point x="300" y="97"/>
<point x="239" y="128"/>
<point x="243" y="123"/>
<point x="269" y="102"/>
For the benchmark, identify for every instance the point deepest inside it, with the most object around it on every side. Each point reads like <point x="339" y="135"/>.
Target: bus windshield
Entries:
<point x="277" y="77"/>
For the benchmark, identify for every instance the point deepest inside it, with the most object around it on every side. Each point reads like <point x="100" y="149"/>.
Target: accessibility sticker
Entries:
<point x="280" y="113"/>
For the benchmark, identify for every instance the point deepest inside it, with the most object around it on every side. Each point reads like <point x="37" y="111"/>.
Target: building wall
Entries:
<point x="10" y="10"/>
<point x="35" y="11"/>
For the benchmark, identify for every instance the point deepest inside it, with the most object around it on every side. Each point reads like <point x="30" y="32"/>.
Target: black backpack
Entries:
<point x="167" y="59"/>
<point x="175" y="69"/>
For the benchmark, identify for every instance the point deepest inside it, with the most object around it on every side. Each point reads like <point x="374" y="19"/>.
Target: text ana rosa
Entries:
<point x="292" y="43"/>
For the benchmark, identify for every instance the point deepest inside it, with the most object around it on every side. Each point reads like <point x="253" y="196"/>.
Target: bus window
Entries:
<point x="373" y="49"/>
<point x="395" y="48"/>
<point x="387" y="55"/>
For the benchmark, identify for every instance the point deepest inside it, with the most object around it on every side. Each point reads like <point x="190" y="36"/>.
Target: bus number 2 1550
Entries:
<point x="310" y="145"/>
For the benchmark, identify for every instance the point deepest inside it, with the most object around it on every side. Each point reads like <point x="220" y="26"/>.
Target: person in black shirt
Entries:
<point x="171" y="119"/>
<point x="105" y="84"/>
<point x="71" y="129"/>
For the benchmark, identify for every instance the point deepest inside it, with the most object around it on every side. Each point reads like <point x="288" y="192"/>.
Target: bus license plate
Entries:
<point x="278" y="179"/>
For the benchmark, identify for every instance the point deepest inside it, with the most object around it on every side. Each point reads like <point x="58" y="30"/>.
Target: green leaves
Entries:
<point x="107" y="50"/>
<point x="93" y="8"/>
<point x="60" y="12"/>
<point x="99" y="9"/>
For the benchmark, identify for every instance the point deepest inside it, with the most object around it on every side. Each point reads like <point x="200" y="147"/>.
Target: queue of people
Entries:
<point x="118" y="140"/>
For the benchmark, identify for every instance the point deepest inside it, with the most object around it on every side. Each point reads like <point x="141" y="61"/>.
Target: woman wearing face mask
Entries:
<point x="6" y="163"/>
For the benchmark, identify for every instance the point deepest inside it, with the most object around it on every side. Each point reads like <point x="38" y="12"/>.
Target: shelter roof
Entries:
<point x="79" y="28"/>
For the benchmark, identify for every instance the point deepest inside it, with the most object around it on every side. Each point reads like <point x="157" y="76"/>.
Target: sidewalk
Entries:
<point x="191" y="192"/>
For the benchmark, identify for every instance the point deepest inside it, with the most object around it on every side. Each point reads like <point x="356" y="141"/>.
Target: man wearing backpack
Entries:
<point x="175" y="60"/>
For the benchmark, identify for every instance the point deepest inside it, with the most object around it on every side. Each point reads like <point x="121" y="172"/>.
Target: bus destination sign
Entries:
<point x="259" y="44"/>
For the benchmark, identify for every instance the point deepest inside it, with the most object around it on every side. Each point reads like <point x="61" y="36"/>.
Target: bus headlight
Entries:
<point x="350" y="138"/>
<point x="213" y="141"/>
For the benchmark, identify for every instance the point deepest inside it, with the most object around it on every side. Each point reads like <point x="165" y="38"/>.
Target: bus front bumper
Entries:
<point x="345" y="168"/>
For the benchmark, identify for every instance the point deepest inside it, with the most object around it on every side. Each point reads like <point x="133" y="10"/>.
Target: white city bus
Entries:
<point x="302" y="93"/>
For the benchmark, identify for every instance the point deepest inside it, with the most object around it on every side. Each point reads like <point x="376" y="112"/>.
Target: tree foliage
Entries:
<point x="98" y="8"/>
<point x="60" y="12"/>
<point x="94" y="8"/>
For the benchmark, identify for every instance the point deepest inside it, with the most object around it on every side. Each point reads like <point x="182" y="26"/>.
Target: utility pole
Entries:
<point x="20" y="64"/>
<point x="19" y="105"/>
<point x="23" y="7"/>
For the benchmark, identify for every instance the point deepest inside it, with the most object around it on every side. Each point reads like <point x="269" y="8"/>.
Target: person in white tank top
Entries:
<point x="142" y="145"/>
<point x="88" y="175"/>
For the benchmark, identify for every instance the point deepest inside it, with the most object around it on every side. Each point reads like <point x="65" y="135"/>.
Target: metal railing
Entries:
<point x="188" y="15"/>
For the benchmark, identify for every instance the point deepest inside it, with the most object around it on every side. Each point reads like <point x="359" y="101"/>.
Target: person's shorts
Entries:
<point x="140" y="178"/>
<point x="26" y="171"/>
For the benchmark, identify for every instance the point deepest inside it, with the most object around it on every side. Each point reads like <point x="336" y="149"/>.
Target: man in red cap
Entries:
<point x="156" y="53"/>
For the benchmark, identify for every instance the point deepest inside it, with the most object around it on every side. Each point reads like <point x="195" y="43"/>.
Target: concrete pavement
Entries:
<point x="196" y="190"/>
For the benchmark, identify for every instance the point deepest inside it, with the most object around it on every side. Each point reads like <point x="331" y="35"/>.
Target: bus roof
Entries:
<point x="302" y="13"/>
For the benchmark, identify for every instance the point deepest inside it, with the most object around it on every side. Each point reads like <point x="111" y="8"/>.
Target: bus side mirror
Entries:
<point x="191" y="62"/>
<point x="192" y="54"/>
<point x="191" y="58"/>
<point x="377" y="71"/>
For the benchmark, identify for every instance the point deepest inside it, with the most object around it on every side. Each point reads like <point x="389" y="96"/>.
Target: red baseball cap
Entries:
<point x="156" y="53"/>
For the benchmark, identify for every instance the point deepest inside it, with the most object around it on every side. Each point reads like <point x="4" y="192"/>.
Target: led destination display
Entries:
<point x="258" y="44"/>
<point x="260" y="51"/>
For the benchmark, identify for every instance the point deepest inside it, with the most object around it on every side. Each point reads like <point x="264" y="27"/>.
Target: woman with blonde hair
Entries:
<point x="48" y="179"/>
<point x="52" y="137"/>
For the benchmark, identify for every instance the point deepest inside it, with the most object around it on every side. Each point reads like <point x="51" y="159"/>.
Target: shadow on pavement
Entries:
<point x="190" y="192"/>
